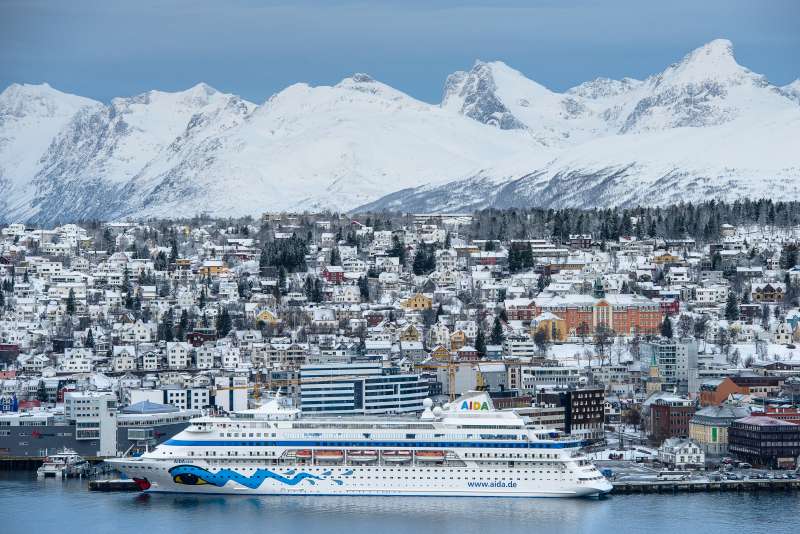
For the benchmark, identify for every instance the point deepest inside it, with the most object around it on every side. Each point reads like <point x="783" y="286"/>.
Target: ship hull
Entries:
<point x="300" y="480"/>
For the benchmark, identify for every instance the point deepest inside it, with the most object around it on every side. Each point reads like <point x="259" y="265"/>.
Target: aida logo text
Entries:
<point x="474" y="405"/>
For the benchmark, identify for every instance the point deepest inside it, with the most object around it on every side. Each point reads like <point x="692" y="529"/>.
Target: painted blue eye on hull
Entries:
<point x="193" y="475"/>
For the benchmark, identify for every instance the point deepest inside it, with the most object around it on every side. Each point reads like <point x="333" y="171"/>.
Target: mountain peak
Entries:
<point x="712" y="61"/>
<point x="202" y="87"/>
<point x="792" y="90"/>
<point x="717" y="47"/>
<point x="40" y="99"/>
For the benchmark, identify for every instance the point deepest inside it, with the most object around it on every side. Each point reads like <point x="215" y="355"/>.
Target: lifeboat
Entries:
<point x="396" y="456"/>
<point x="304" y="454"/>
<point x="430" y="456"/>
<point x="362" y="456"/>
<point x="331" y="456"/>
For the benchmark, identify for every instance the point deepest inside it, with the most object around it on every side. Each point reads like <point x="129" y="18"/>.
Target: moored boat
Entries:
<point x="362" y="455"/>
<point x="396" y="456"/>
<point x="463" y="448"/>
<point x="429" y="456"/>
<point x="63" y="464"/>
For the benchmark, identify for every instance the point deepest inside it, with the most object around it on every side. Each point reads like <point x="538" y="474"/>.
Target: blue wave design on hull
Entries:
<point x="192" y="475"/>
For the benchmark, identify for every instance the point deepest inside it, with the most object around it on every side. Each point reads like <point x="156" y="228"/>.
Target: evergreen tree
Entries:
<point x="308" y="288"/>
<point x="496" y="337"/>
<point x="224" y="323"/>
<point x="317" y="295"/>
<point x="542" y="282"/>
<point x="183" y="325"/>
<point x="287" y="253"/>
<point x="126" y="287"/>
<point x="363" y="288"/>
<point x="41" y="392"/>
<point x="71" y="302"/>
<point x="480" y="343"/>
<point x="732" y="307"/>
<point x="281" y="278"/>
<point x="173" y="252"/>
<point x="165" y="329"/>
<point x="398" y="249"/>
<point x="666" y="327"/>
<point x="2" y="297"/>
<point x="335" y="257"/>
<point x="89" y="339"/>
<point x="788" y="257"/>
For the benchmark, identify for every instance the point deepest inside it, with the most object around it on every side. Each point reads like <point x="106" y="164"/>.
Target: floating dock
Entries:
<point x="113" y="485"/>
<point x="683" y="486"/>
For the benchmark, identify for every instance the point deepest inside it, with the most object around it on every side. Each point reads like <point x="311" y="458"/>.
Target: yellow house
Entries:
<point x="418" y="302"/>
<point x="267" y="317"/>
<point x="666" y="257"/>
<point x="440" y="353"/>
<point x="410" y="333"/>
<point x="553" y="327"/>
<point x="458" y="339"/>
<point x="212" y="268"/>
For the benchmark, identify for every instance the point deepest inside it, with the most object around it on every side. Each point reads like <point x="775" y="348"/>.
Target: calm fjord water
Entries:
<point x="28" y="505"/>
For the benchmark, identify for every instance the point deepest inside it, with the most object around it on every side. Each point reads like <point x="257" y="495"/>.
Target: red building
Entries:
<point x="670" y="306"/>
<point x="624" y="314"/>
<point x="669" y="418"/>
<point x="520" y="309"/>
<point x="333" y="274"/>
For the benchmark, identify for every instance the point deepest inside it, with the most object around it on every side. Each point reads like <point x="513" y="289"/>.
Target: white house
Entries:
<point x="178" y="355"/>
<point x="681" y="453"/>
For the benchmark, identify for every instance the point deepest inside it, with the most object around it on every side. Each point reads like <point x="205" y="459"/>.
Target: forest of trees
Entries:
<point x="700" y="221"/>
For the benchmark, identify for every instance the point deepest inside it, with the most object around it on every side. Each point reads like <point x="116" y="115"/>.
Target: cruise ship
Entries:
<point x="462" y="448"/>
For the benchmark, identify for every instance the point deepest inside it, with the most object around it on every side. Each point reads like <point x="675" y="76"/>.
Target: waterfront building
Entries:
<point x="359" y="388"/>
<point x="584" y="411"/>
<point x="765" y="441"/>
<point x="95" y="416"/>
<point x="668" y="416"/>
<point x="681" y="453"/>
<point x="709" y="426"/>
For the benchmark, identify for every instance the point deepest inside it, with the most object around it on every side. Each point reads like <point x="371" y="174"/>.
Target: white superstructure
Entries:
<point x="466" y="448"/>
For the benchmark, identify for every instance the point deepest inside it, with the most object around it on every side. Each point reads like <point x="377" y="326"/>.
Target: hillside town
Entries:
<point x="650" y="332"/>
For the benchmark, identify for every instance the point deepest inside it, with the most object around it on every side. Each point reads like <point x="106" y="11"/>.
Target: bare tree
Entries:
<point x="685" y="325"/>
<point x="602" y="339"/>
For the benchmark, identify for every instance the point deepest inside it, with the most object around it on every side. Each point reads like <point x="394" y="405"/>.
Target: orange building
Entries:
<point x="712" y="394"/>
<point x="624" y="314"/>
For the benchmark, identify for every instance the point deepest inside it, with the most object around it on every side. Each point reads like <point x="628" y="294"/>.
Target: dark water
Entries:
<point x="42" y="507"/>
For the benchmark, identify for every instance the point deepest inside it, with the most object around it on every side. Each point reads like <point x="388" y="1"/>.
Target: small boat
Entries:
<point x="63" y="464"/>
<point x="430" y="456"/>
<point x="396" y="456"/>
<point x="304" y="454"/>
<point x="329" y="456"/>
<point x="362" y="455"/>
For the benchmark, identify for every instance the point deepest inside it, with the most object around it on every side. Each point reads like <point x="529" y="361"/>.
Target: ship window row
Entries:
<point x="407" y="444"/>
<point x="359" y="426"/>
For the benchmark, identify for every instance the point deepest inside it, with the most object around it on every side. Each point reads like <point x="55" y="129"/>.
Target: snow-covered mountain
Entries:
<point x="705" y="126"/>
<point x="792" y="90"/>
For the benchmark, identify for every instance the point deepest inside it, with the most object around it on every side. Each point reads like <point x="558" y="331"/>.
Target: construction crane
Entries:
<point x="451" y="377"/>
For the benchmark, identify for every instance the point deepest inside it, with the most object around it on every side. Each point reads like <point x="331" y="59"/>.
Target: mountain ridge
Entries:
<point x="703" y="126"/>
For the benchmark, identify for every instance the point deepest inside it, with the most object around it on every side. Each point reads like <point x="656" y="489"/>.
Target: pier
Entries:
<point x="684" y="486"/>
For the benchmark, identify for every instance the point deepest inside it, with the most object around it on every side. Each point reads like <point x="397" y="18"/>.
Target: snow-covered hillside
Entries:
<point x="705" y="126"/>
